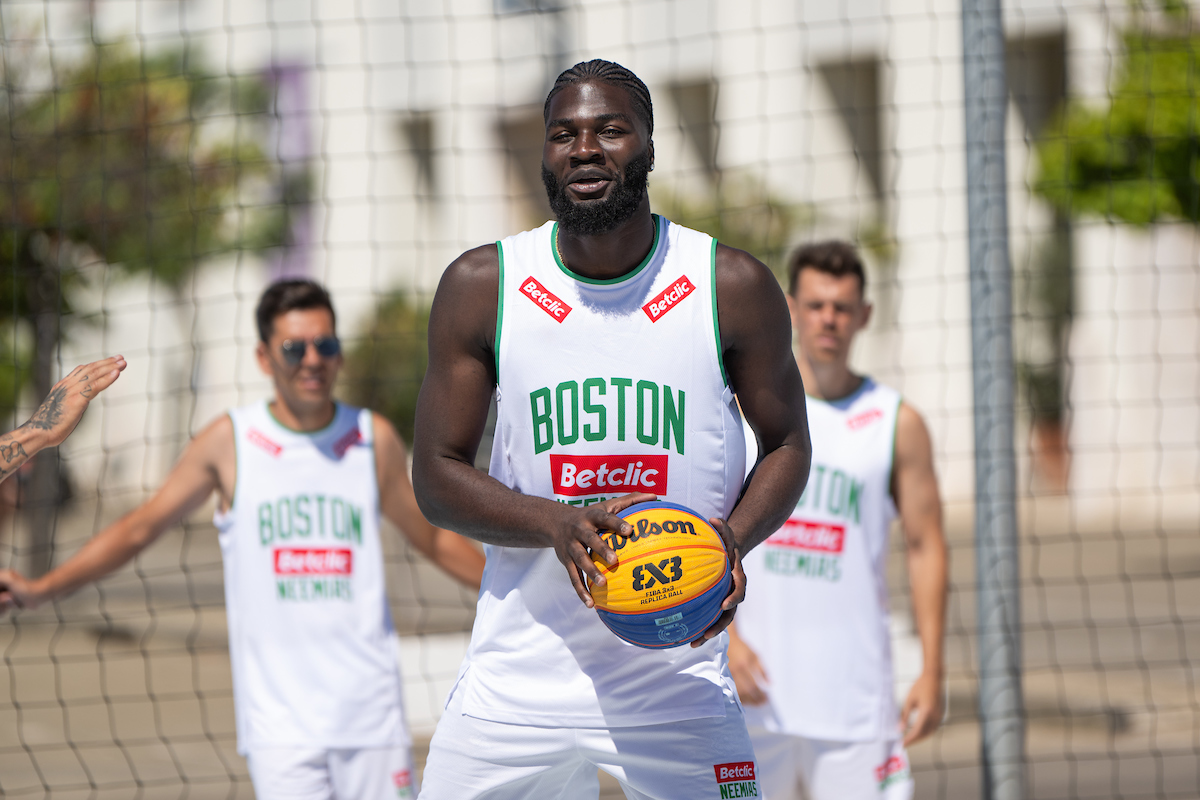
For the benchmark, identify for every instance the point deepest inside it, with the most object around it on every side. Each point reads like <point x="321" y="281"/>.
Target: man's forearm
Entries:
<point x="19" y="446"/>
<point x="106" y="552"/>
<point x="927" y="570"/>
<point x="454" y="495"/>
<point x="773" y="492"/>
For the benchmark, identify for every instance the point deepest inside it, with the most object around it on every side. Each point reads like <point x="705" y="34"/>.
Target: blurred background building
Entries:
<point x="366" y="144"/>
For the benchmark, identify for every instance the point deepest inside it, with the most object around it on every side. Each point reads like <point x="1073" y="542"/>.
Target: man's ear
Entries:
<point x="867" y="308"/>
<point x="264" y="360"/>
<point x="650" y="147"/>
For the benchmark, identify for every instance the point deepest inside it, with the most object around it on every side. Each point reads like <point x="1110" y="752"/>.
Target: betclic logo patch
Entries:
<point x="545" y="299"/>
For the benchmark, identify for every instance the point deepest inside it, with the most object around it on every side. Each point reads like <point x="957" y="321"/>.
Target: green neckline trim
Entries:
<point x="658" y="229"/>
<point x="864" y="382"/>
<point x="716" y="318"/>
<point x="337" y="407"/>
<point x="499" y="311"/>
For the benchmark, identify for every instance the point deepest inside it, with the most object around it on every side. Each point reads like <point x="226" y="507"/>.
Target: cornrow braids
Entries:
<point x="600" y="70"/>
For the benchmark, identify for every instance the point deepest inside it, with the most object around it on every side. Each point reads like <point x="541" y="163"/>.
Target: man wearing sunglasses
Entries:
<point x="300" y="482"/>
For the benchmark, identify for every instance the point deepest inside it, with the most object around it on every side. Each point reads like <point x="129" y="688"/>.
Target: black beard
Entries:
<point x="595" y="217"/>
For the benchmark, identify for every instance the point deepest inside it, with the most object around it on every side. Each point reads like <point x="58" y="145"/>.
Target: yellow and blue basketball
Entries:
<point x="669" y="582"/>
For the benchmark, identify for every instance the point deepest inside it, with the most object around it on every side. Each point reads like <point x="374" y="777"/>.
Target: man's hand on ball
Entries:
<point x="583" y="532"/>
<point x="737" y="592"/>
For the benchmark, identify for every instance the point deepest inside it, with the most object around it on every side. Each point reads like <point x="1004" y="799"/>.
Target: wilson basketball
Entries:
<point x="670" y="580"/>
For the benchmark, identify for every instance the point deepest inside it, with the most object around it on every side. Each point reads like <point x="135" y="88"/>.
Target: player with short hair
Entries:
<point x="613" y="341"/>
<point x="810" y="650"/>
<point x="301" y="481"/>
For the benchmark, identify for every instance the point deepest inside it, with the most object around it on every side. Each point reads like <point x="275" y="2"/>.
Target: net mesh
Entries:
<point x="163" y="160"/>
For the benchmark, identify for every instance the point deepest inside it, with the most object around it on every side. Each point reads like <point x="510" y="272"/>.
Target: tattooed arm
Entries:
<point x="58" y="414"/>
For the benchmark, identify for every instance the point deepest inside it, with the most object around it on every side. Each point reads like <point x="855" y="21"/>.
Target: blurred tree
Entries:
<point x="141" y="161"/>
<point x="1138" y="160"/>
<point x="741" y="213"/>
<point x="384" y="369"/>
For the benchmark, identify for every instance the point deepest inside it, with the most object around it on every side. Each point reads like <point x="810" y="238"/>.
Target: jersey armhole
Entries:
<point x="716" y="317"/>
<point x="499" y="311"/>
<point x="892" y="460"/>
<point x="237" y="465"/>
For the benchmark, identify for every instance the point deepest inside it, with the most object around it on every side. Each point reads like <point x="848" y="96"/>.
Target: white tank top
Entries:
<point x="311" y="641"/>
<point x="605" y="387"/>
<point x="816" y="608"/>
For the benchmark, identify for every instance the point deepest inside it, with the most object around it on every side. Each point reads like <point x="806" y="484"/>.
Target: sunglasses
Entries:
<point x="293" y="350"/>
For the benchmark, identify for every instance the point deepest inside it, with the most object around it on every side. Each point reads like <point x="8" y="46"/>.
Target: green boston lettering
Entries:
<point x="355" y="522"/>
<point x="597" y="432"/>
<point x="321" y="514"/>
<point x="835" y="502"/>
<point x="283" y="517"/>
<point x="621" y="385"/>
<point x="647" y="389"/>
<point x="541" y="420"/>
<point x="672" y="420"/>
<point x="852" y="500"/>
<point x="266" y="523"/>
<point x="567" y="408"/>
<point x="337" y="518"/>
<point x="303" y="520"/>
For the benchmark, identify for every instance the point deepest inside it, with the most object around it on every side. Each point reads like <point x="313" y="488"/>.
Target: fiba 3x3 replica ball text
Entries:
<point x="670" y="579"/>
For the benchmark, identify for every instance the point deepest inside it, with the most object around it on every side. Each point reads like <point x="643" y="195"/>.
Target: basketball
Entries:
<point x="670" y="580"/>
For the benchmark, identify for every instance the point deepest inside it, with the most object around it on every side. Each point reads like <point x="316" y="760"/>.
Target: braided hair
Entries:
<point x="600" y="70"/>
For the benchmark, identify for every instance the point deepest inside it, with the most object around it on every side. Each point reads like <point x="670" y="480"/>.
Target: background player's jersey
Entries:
<point x="605" y="388"/>
<point x="816" y="608"/>
<point x="311" y="641"/>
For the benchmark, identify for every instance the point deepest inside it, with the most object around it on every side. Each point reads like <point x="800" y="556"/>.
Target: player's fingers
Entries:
<point x="578" y="583"/>
<point x="582" y="561"/>
<point x="599" y="546"/>
<point x="916" y="728"/>
<point x="619" y="504"/>
<point x="715" y="629"/>
<point x="104" y="376"/>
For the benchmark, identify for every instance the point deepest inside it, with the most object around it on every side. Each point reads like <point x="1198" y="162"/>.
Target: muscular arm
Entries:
<point x="456" y="556"/>
<point x="756" y="335"/>
<point x="189" y="484"/>
<point x="451" y="414"/>
<point x="915" y="489"/>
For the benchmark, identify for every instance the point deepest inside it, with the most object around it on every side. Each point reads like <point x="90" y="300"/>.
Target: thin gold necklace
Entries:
<point x="557" y="249"/>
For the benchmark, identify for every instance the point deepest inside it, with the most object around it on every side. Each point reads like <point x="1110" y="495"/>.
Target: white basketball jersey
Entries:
<point x="311" y="641"/>
<point x="816" y="608"/>
<point x="604" y="388"/>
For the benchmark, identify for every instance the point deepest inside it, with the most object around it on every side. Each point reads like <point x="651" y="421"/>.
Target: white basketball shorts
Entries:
<point x="698" y="759"/>
<point x="793" y="767"/>
<point x="300" y="773"/>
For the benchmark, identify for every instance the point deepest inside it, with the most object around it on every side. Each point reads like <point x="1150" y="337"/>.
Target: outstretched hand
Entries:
<point x="572" y="543"/>
<point x="16" y="591"/>
<point x="62" y="409"/>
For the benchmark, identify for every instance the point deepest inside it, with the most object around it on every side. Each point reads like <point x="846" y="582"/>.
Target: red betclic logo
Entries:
<point x="864" y="419"/>
<point x="545" y="299"/>
<point x="668" y="298"/>
<point x="737" y="771"/>
<point x="313" y="561"/>
<point x="577" y="476"/>
<point x="260" y="439"/>
<point x="801" y="534"/>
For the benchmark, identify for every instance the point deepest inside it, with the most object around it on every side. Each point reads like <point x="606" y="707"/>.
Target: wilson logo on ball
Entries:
<point x="671" y="576"/>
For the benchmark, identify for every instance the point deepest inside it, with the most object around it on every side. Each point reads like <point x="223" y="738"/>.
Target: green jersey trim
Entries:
<point x="716" y="317"/>
<point x="892" y="466"/>
<point x="499" y="311"/>
<point x="237" y="464"/>
<point x="337" y="407"/>
<point x="658" y="230"/>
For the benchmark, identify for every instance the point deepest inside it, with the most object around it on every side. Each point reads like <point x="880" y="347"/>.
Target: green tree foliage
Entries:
<point x="742" y="213"/>
<point x="1138" y="160"/>
<point x="141" y="161"/>
<point x="384" y="369"/>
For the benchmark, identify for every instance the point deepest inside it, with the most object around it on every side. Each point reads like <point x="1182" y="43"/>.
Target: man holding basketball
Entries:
<point x="301" y="481"/>
<point x="811" y="650"/>
<point x="612" y="339"/>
